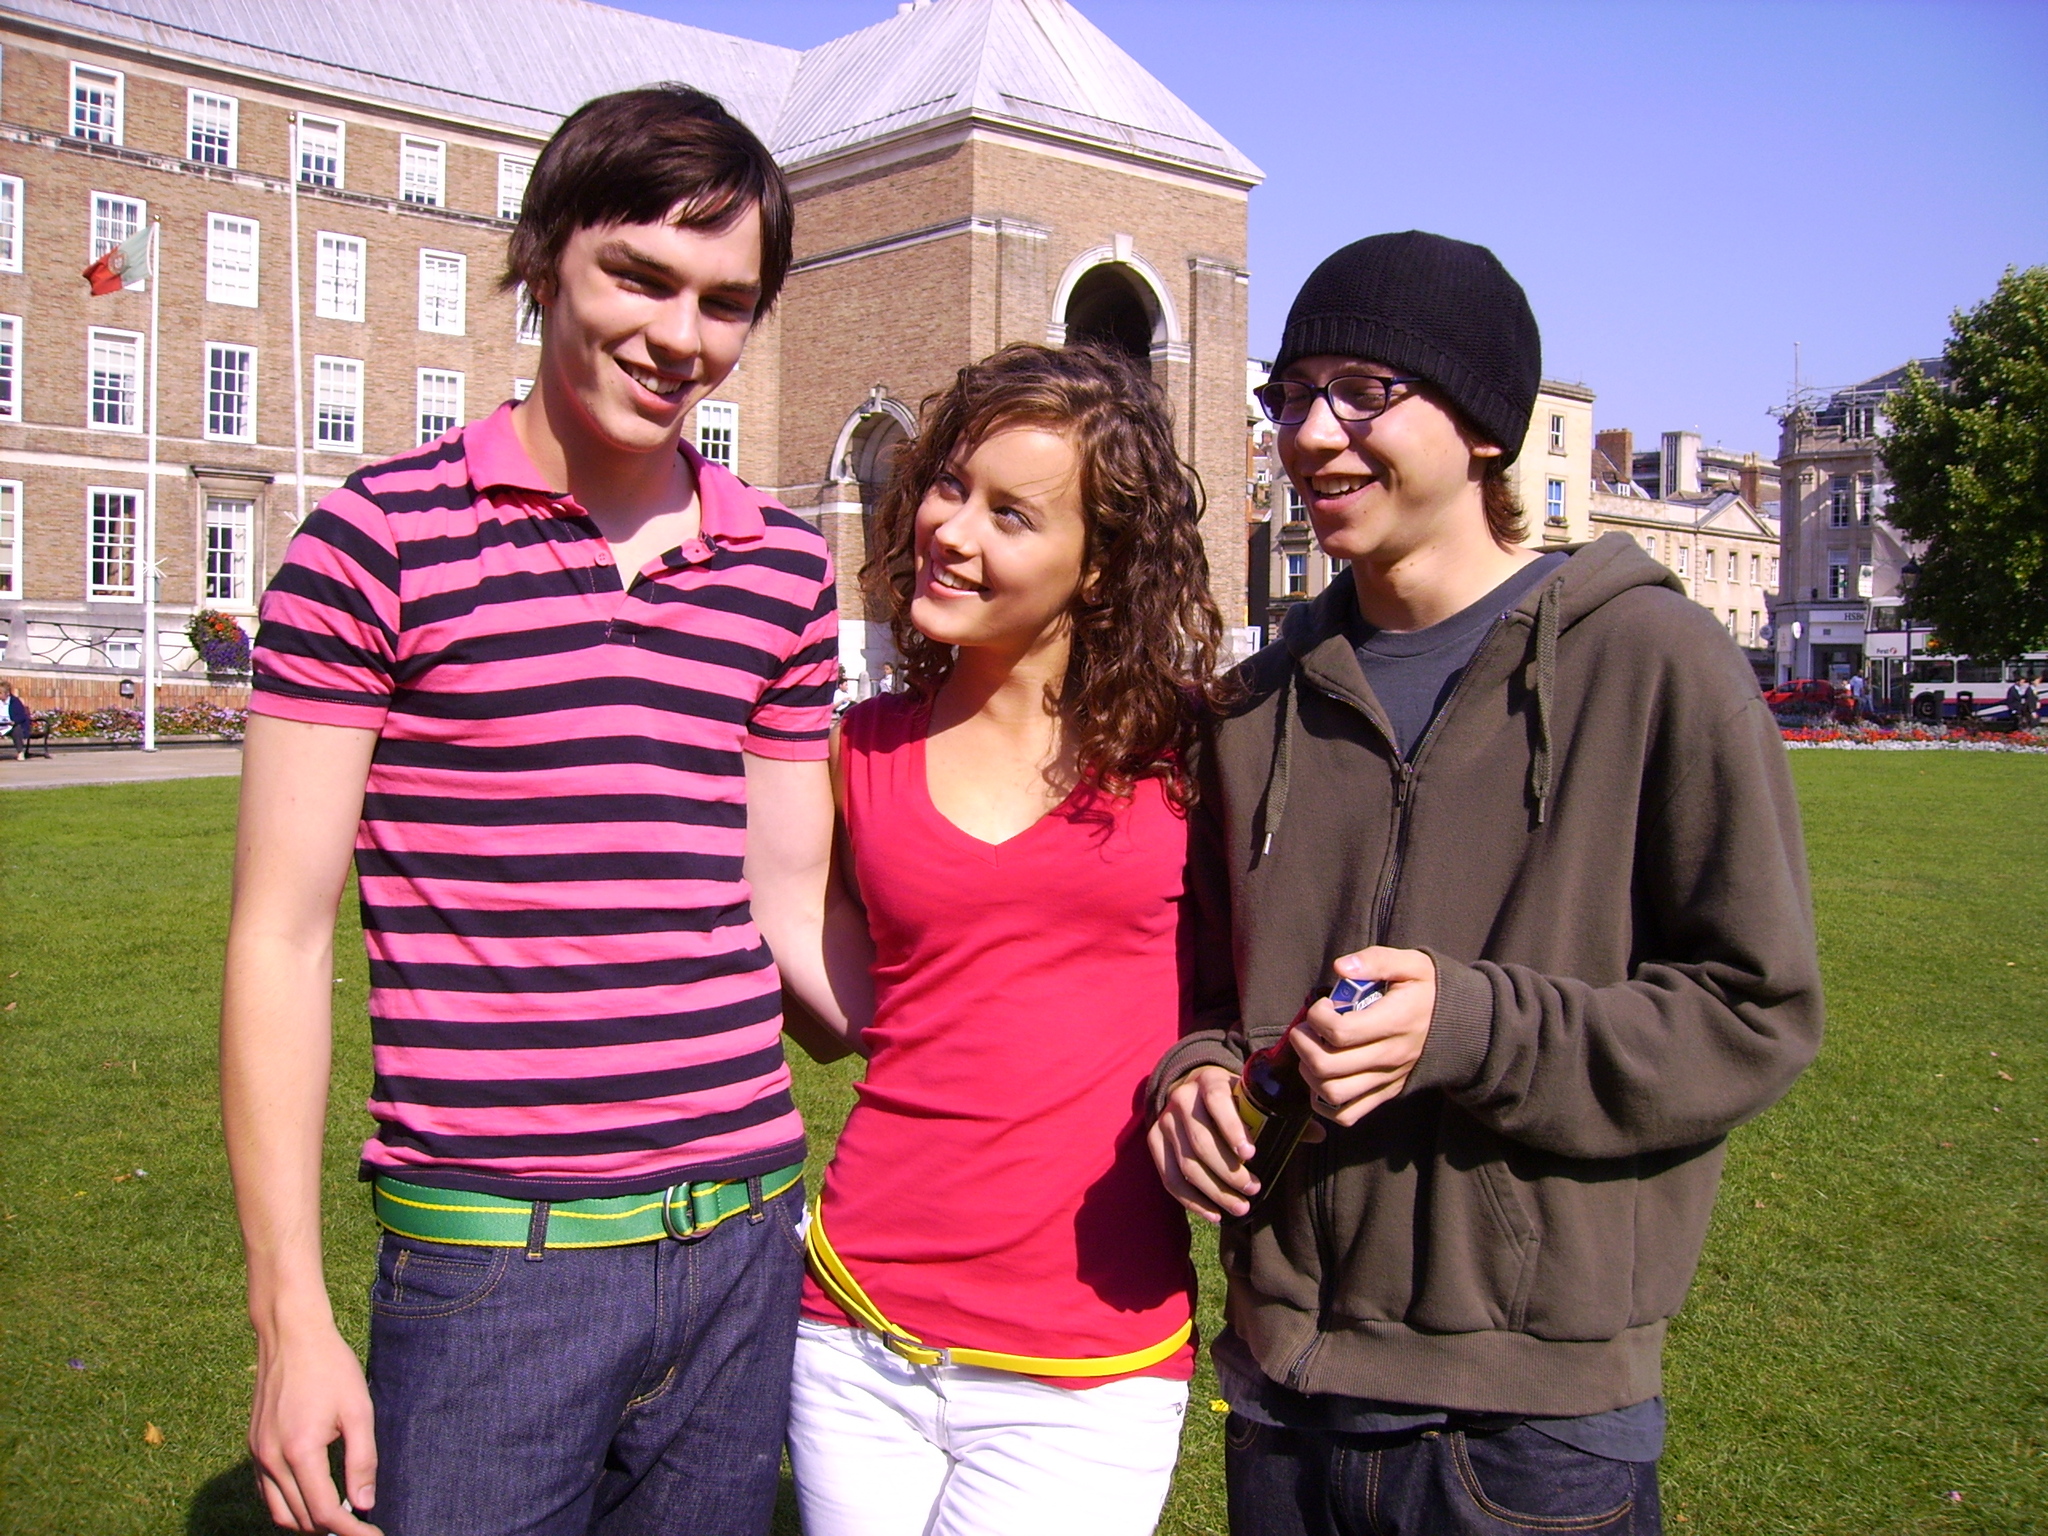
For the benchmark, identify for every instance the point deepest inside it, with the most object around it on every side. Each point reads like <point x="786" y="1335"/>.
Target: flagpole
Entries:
<point x="298" y="354"/>
<point x="149" y="570"/>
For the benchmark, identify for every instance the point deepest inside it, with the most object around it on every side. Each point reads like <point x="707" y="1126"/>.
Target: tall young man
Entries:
<point x="535" y="674"/>
<point x="1539" y="796"/>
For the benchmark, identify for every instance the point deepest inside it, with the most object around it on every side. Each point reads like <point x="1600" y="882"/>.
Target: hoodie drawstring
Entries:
<point x="1273" y="805"/>
<point x="1544" y="686"/>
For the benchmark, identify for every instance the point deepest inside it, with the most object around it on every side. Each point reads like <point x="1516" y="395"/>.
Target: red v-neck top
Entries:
<point x="992" y="1188"/>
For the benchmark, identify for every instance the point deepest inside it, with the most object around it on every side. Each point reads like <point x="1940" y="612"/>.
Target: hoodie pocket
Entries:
<point x="1479" y="1258"/>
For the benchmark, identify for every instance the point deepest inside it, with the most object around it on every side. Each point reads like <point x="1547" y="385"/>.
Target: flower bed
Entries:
<point x="126" y="724"/>
<point x="1911" y="737"/>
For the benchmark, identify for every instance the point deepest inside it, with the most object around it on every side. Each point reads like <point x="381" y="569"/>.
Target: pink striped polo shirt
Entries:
<point x="568" y="996"/>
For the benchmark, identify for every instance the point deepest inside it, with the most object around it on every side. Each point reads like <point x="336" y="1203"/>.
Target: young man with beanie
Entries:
<point x="1539" y="797"/>
<point x="564" y="688"/>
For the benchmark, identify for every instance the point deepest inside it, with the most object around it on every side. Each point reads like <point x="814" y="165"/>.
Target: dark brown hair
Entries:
<point x="1503" y="506"/>
<point x="1145" y="633"/>
<point x="659" y="153"/>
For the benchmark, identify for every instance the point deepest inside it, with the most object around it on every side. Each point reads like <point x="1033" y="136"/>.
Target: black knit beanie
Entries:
<point x="1440" y="309"/>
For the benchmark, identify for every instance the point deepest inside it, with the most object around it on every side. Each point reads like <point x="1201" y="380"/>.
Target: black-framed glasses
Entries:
<point x="1352" y="397"/>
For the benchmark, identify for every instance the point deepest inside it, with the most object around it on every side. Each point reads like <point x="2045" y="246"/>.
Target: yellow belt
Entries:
<point x="838" y="1283"/>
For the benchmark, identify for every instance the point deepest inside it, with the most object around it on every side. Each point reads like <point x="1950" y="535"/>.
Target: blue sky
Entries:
<point x="1686" y="189"/>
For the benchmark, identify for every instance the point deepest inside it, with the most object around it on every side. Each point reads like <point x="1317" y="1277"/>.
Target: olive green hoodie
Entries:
<point x="1597" y="843"/>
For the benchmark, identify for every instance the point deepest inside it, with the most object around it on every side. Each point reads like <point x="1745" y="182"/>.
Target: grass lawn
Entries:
<point x="1869" y="1332"/>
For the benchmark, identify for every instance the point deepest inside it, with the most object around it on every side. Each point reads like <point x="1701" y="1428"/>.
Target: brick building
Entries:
<point x="967" y="173"/>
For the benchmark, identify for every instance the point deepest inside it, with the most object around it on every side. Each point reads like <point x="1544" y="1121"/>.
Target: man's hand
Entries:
<point x="1355" y="1062"/>
<point x="309" y="1392"/>
<point x="1200" y="1148"/>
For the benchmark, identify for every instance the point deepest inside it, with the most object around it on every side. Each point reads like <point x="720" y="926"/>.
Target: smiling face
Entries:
<point x="1000" y="541"/>
<point x="642" y="321"/>
<point x="1378" y="491"/>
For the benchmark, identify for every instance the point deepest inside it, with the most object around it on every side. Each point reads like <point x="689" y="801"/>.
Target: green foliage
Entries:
<point x="1865" y="1337"/>
<point x="1969" y="471"/>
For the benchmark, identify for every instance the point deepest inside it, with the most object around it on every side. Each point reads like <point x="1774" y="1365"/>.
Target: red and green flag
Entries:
<point x="125" y="266"/>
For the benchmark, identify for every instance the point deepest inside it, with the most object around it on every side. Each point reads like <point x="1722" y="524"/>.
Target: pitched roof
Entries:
<point x="1035" y="65"/>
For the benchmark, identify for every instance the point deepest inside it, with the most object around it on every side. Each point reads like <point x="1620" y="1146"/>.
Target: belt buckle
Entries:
<point x="668" y="1214"/>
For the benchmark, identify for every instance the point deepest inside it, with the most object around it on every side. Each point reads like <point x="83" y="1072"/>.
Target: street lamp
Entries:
<point x="1909" y="578"/>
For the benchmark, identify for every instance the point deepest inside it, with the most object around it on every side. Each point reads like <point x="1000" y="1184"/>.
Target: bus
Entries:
<point x="1933" y="689"/>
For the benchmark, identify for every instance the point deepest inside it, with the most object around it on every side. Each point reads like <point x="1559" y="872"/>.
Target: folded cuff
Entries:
<point x="1460" y="1028"/>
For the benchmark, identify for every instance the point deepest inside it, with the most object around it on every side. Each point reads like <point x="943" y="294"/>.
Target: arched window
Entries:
<point x="1108" y="305"/>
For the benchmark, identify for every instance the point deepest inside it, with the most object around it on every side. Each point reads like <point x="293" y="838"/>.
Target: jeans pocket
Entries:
<point x="419" y="1279"/>
<point x="1527" y="1480"/>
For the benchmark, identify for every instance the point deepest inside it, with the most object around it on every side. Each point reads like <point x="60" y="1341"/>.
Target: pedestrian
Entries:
<point x="564" y="686"/>
<point x="997" y="1333"/>
<point x="1859" y="691"/>
<point x="1538" y="796"/>
<point x="2030" y="703"/>
<point x="2015" y="704"/>
<point x="20" y="721"/>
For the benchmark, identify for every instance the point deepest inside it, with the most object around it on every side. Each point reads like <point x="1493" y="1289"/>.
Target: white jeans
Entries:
<point x="882" y="1447"/>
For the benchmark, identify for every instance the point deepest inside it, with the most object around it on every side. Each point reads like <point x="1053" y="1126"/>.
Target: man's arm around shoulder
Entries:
<point x="302" y="798"/>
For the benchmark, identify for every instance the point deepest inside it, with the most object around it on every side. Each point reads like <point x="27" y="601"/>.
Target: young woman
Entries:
<point x="996" y="1334"/>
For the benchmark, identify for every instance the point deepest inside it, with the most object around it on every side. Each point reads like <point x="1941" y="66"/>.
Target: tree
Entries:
<point x="1969" y="470"/>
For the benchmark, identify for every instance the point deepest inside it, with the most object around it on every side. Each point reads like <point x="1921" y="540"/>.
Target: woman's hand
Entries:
<point x="1200" y="1147"/>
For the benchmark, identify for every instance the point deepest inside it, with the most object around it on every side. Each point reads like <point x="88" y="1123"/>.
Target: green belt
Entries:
<point x="491" y="1221"/>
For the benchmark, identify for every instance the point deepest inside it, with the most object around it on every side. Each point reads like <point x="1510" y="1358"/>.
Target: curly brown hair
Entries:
<point x="1146" y="636"/>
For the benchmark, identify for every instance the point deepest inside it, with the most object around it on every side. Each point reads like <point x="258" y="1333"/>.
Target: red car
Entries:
<point x="1811" y="696"/>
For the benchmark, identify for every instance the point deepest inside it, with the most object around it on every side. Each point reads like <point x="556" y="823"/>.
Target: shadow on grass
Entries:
<point x="229" y="1505"/>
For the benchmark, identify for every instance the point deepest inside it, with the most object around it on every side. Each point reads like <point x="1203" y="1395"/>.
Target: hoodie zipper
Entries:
<point x="1383" y="909"/>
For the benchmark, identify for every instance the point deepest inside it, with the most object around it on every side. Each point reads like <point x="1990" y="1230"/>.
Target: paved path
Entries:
<point x="68" y="766"/>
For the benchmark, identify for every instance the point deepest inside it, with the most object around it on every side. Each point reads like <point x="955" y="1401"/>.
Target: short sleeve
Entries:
<point x="792" y="719"/>
<point x="329" y="624"/>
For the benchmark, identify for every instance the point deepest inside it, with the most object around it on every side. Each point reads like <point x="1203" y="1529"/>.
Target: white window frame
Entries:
<point x="1841" y="500"/>
<point x="112" y="112"/>
<point x="1756" y="570"/>
<point x="1838" y="578"/>
<point x="521" y="388"/>
<point x="422" y="169"/>
<point x="98" y="335"/>
<point x="1295" y="574"/>
<point x="1684" y="553"/>
<point x="1556" y="433"/>
<point x="226" y="125"/>
<point x="1297" y="509"/>
<point x="1734" y="619"/>
<point x="13" y="194"/>
<point x="10" y="539"/>
<point x="435" y="308"/>
<point x="1553" y="503"/>
<point x="449" y="387"/>
<point x="514" y="171"/>
<point x="329" y="371"/>
<point x="1650" y="545"/>
<point x="101" y="229"/>
<point x="248" y="412"/>
<point x="526" y="318"/>
<point x="1707" y="565"/>
<point x="328" y="247"/>
<point x="228" y="281"/>
<point x="716" y="419"/>
<point x="1756" y="620"/>
<point x="323" y="125"/>
<point x="1774" y="573"/>
<point x="235" y="516"/>
<point x="109" y="592"/>
<point x="10" y="367"/>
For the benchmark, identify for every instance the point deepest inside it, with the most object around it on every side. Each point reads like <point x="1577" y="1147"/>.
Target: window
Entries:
<point x="1863" y="580"/>
<point x="1841" y="495"/>
<point x="228" y="525"/>
<point x="1756" y="564"/>
<point x="1838" y="577"/>
<point x="527" y="319"/>
<point x="338" y="277"/>
<point x="440" y="402"/>
<point x="1556" y="433"/>
<point x="422" y="169"/>
<point x="115" y="220"/>
<point x="1731" y="623"/>
<point x="231" y="393"/>
<point x="10" y="367"/>
<point x="338" y="404"/>
<point x="1774" y="573"/>
<point x="1682" y="552"/>
<point x="1755" y="627"/>
<point x="95" y="104"/>
<point x="1296" y="512"/>
<point x="114" y="380"/>
<point x="230" y="260"/>
<point x="1650" y="545"/>
<point x="10" y="538"/>
<point x="513" y="173"/>
<point x="1297" y="575"/>
<point x="10" y="223"/>
<point x="320" y="151"/>
<point x="1335" y="566"/>
<point x="1866" y="497"/>
<point x="1859" y="420"/>
<point x="1553" y="503"/>
<point x="111" y="567"/>
<point x="443" y="277"/>
<point x="1706" y="565"/>
<point x="210" y="128"/>
<point x="718" y="432"/>
<point x="521" y="388"/>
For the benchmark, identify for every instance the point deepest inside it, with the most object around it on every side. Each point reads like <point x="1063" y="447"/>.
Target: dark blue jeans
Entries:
<point x="1437" y="1482"/>
<point x="624" y="1391"/>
